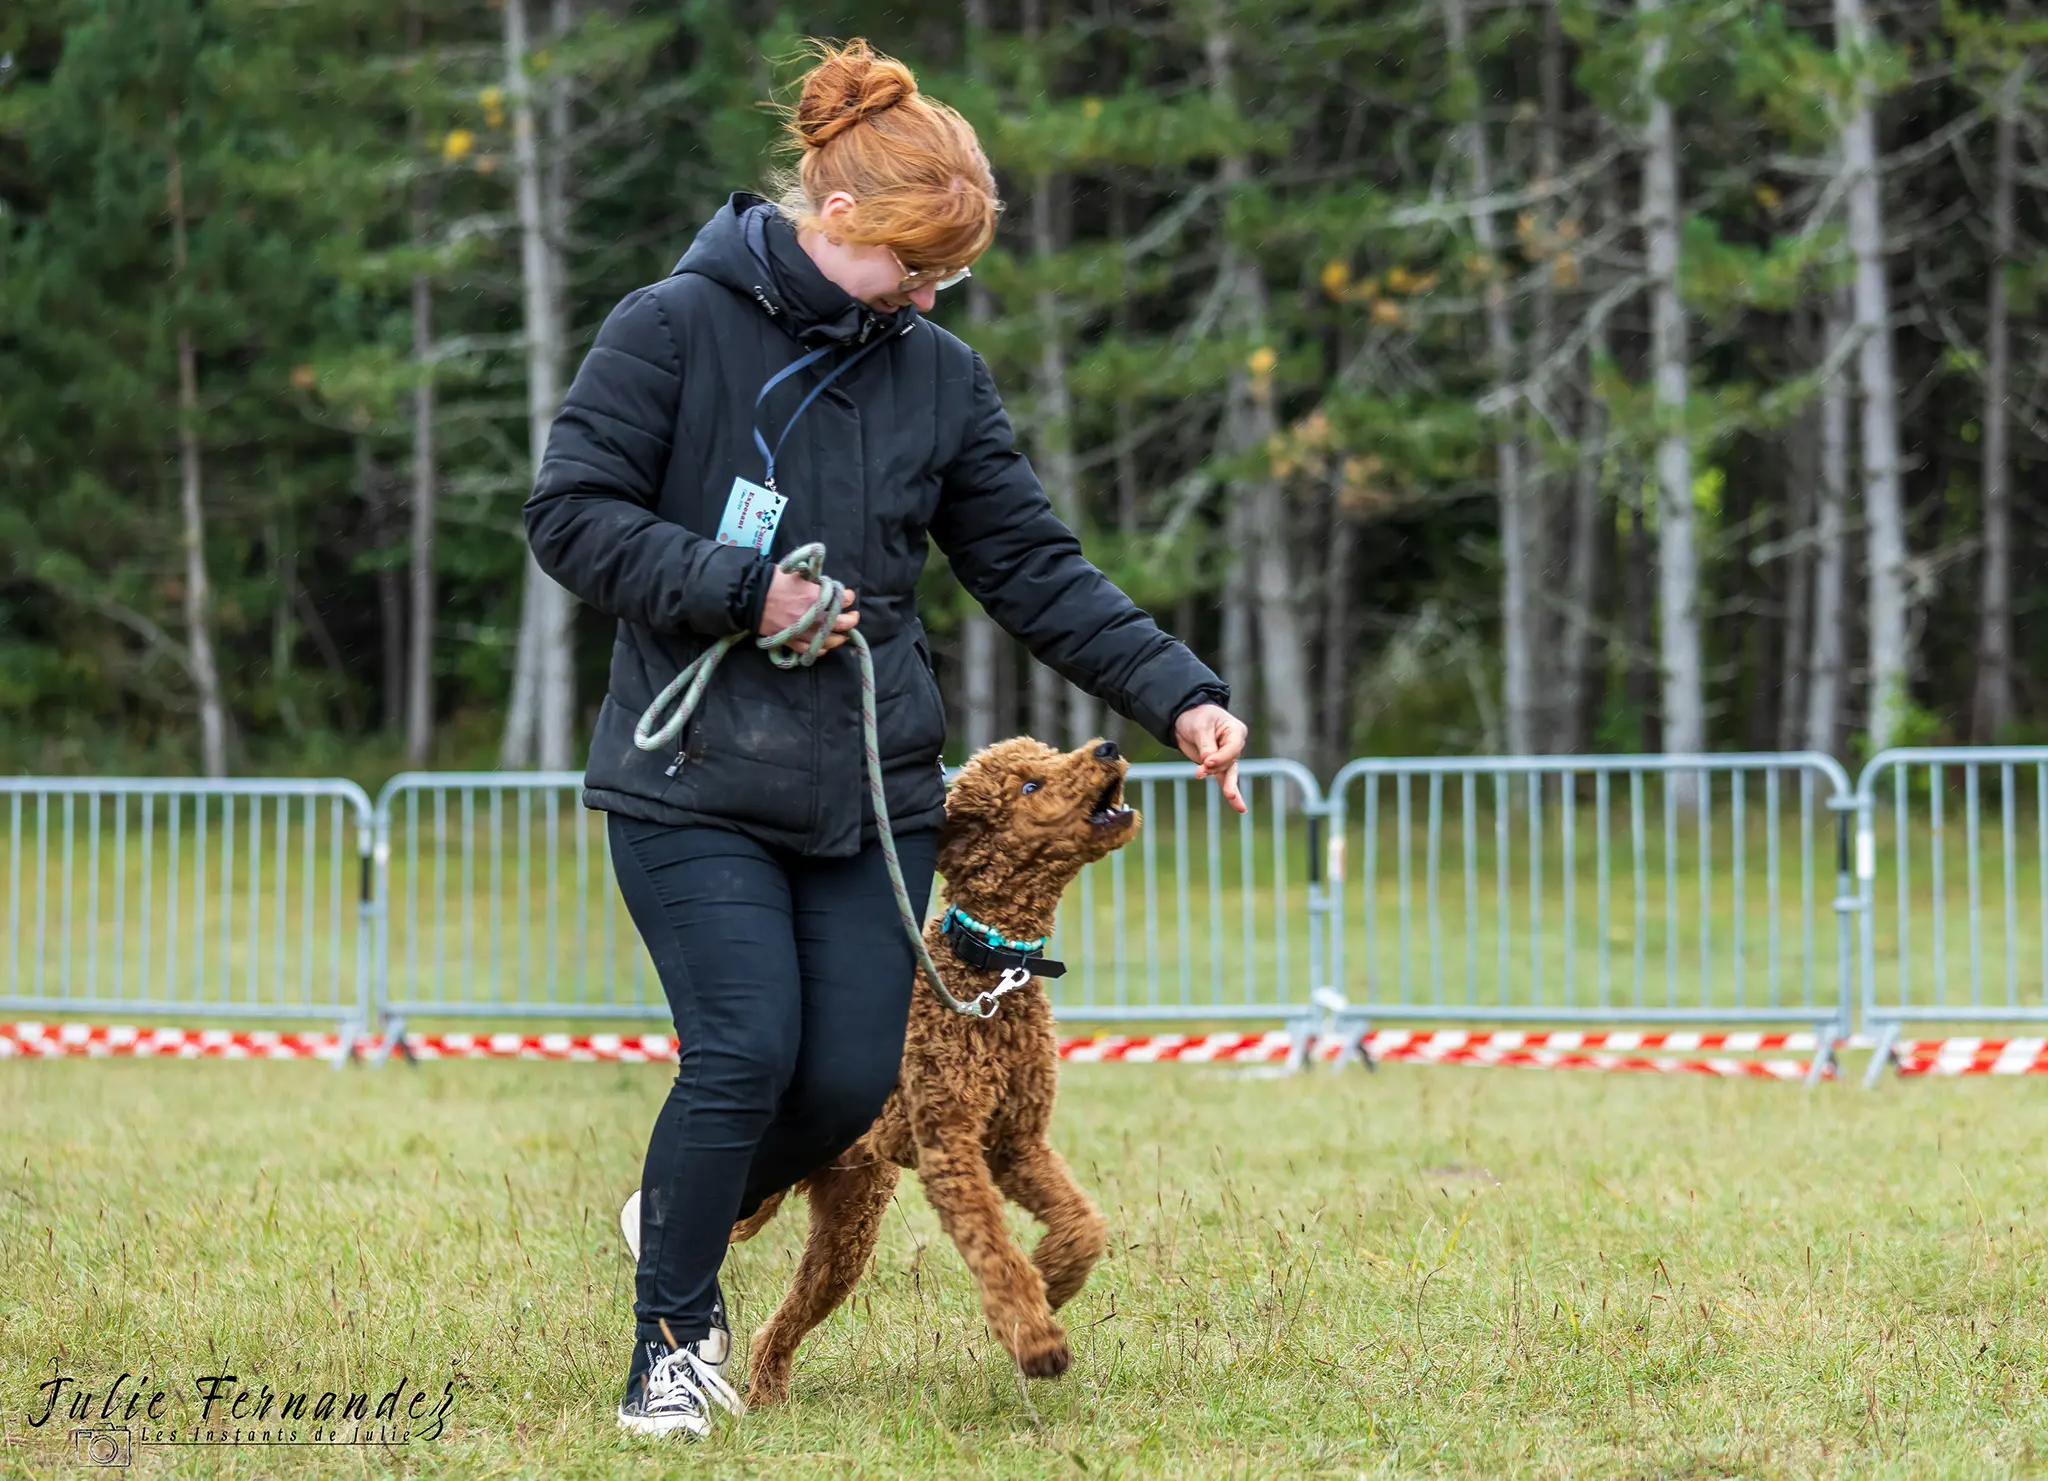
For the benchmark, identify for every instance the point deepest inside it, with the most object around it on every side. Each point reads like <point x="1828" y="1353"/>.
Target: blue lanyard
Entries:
<point x="768" y="453"/>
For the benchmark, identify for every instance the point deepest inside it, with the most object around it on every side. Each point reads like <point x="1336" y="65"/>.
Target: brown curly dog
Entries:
<point x="972" y="1105"/>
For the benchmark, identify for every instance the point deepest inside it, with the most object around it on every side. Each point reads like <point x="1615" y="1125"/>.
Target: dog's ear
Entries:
<point x="960" y="839"/>
<point x="974" y="807"/>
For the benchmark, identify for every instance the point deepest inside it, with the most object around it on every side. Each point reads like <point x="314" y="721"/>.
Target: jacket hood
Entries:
<point x="751" y="247"/>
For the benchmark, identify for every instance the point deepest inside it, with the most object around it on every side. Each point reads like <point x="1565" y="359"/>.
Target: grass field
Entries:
<point x="1416" y="1271"/>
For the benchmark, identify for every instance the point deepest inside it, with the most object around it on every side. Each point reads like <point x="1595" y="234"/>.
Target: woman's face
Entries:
<point x="869" y="273"/>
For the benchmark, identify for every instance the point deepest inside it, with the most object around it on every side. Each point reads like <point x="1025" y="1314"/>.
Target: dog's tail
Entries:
<point x="753" y="1224"/>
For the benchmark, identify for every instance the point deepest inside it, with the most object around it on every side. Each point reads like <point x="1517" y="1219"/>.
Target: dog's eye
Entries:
<point x="1030" y="787"/>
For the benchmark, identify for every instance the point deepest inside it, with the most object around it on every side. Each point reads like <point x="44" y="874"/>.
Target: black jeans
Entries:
<point x="790" y="980"/>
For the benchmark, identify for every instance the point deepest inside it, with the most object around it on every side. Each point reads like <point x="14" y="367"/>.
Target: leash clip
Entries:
<point x="1013" y="978"/>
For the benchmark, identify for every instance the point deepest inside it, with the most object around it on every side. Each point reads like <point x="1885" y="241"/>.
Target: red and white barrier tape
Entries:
<point x="1266" y="1048"/>
<point x="97" y="1041"/>
<point x="100" y="1041"/>
<point x="1387" y="1042"/>
<point x="1916" y="1057"/>
<point x="1443" y="1045"/>
<point x="1576" y="1059"/>
<point x="1617" y="1052"/>
<point x="1563" y="1049"/>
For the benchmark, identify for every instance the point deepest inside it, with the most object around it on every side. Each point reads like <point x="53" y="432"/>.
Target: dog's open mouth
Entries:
<point x="1109" y="810"/>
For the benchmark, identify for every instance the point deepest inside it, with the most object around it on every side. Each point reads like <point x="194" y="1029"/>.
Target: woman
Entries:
<point x="786" y="359"/>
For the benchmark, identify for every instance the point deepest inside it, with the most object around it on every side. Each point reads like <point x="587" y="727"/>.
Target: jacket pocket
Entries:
<point x="933" y="719"/>
<point x="908" y="716"/>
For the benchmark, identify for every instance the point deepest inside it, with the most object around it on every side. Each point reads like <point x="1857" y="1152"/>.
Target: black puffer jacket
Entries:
<point x="912" y="441"/>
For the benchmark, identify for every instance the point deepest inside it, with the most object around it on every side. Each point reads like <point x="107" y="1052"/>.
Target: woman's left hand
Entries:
<point x="1213" y="738"/>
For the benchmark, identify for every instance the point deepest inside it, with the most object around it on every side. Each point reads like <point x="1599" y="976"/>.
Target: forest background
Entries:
<point x="1457" y="376"/>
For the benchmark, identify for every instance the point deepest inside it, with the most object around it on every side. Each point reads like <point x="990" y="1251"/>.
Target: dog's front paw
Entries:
<point x="1044" y="1354"/>
<point x="767" y="1373"/>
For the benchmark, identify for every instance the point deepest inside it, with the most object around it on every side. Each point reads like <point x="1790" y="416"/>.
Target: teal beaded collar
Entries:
<point x="986" y="947"/>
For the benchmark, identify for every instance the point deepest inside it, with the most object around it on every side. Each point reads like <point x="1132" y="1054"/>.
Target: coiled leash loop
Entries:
<point x="654" y="733"/>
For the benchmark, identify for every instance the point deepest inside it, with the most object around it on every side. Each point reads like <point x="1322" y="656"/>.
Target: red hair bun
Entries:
<point x="920" y="184"/>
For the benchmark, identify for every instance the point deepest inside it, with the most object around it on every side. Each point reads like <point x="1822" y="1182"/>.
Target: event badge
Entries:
<point x="751" y="515"/>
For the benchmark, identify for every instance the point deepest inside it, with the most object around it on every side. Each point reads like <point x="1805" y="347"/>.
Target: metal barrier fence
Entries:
<point x="1622" y="889"/>
<point x="1570" y="890"/>
<point x="495" y="899"/>
<point x="1954" y="902"/>
<point x="243" y="899"/>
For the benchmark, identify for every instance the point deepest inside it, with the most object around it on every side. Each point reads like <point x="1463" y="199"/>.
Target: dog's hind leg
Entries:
<point x="957" y="1184"/>
<point x="847" y="1205"/>
<point x="1036" y="1178"/>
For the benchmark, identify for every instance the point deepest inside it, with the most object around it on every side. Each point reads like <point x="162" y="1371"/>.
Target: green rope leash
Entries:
<point x="654" y="733"/>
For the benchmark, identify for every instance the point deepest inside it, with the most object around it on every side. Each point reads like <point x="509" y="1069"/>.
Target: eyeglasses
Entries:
<point x="928" y="277"/>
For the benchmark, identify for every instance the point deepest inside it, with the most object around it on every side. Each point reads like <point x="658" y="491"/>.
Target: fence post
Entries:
<point x="1318" y="903"/>
<point x="369" y="949"/>
<point x="1848" y="903"/>
<point x="1328" y="1011"/>
<point x="1887" y="1034"/>
<point x="390" y="1031"/>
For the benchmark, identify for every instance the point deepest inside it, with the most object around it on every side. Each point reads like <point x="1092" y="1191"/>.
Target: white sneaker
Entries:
<point x="716" y="1348"/>
<point x="675" y="1394"/>
<point x="629" y="1225"/>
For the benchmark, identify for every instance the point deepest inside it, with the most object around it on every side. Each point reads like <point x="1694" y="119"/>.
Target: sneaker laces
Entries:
<point x="680" y="1377"/>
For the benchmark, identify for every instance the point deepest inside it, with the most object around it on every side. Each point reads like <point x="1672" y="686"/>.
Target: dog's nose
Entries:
<point x="1106" y="751"/>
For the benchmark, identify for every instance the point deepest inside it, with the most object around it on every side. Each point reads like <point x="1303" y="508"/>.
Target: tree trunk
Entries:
<point x="978" y="643"/>
<point x="1883" y="498"/>
<point x="1235" y="639"/>
<point x="1251" y="423"/>
<point x="1129" y="494"/>
<point x="1234" y="628"/>
<point x="205" y="672"/>
<point x="1796" y="616"/>
<point x="515" y="750"/>
<point x="1129" y="491"/>
<point x="1518" y="620"/>
<point x="390" y="602"/>
<point x="1678" y="615"/>
<point x="1055" y="705"/>
<point x="1593" y="539"/>
<point x="539" y="727"/>
<point x="419" y="678"/>
<point x="419" y="660"/>
<point x="1829" y="652"/>
<point x="1283" y="652"/>
<point x="1332" y="683"/>
<point x="1054" y="434"/>
<point x="1991" y="705"/>
<point x="1554" y="725"/>
<point x="1048" y="708"/>
<point x="556" y="720"/>
<point x="1640" y="686"/>
<point x="1010" y="663"/>
<point x="1582" y="574"/>
<point x="1549" y="157"/>
<point x="981" y="641"/>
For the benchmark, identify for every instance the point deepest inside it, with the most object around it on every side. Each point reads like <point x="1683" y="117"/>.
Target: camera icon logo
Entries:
<point x="108" y="1446"/>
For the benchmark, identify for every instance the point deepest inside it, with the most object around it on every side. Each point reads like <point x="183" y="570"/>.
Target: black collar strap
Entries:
<point x="977" y="953"/>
